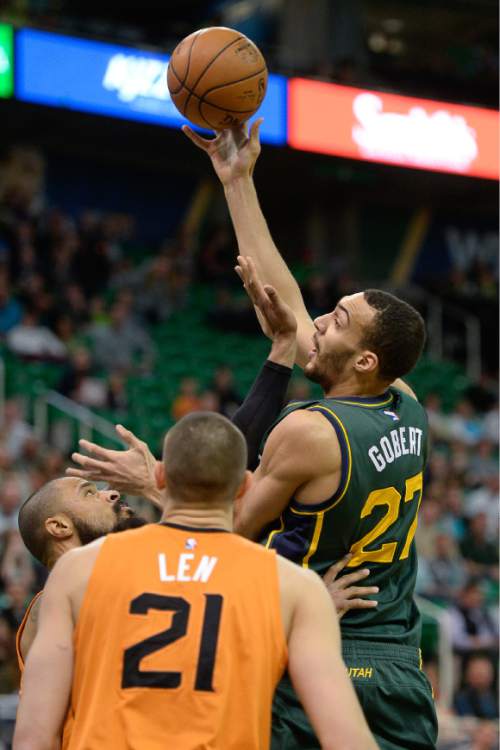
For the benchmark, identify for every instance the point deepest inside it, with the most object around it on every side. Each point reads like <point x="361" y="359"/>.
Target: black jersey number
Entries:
<point x="133" y="676"/>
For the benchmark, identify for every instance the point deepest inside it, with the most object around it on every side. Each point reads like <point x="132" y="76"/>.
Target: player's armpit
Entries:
<point x="318" y="672"/>
<point x="300" y="448"/>
<point x="48" y="674"/>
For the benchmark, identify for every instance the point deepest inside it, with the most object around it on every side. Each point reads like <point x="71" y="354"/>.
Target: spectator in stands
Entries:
<point x="10" y="310"/>
<point x="187" y="400"/>
<point x="117" y="399"/>
<point x="9" y="671"/>
<point x="11" y="495"/>
<point x="485" y="737"/>
<point x="485" y="499"/>
<point x="228" y="397"/>
<point x="32" y="340"/>
<point x="427" y="529"/>
<point x="477" y="696"/>
<point x="445" y="571"/>
<point x="481" y="554"/>
<point x="464" y="424"/>
<point x="14" y="431"/>
<point x="472" y="626"/>
<point x="122" y="344"/>
<point x="439" y="422"/>
<point x="79" y="382"/>
<point x="490" y="424"/>
<point x="483" y="463"/>
<point x="300" y="389"/>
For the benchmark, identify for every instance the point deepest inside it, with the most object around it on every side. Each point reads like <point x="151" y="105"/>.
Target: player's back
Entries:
<point x="373" y="514"/>
<point x="179" y="643"/>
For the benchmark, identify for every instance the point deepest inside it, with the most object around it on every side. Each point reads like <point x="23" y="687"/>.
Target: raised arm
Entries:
<point x="233" y="154"/>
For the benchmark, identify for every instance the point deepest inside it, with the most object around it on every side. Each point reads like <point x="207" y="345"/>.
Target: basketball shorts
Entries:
<point x="393" y="691"/>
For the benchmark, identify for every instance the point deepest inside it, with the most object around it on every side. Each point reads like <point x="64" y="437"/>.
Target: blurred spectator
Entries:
<point x="187" y="400"/>
<point x="34" y="341"/>
<point x="485" y="499"/>
<point x="464" y="424"/>
<point x="483" y="463"/>
<point x="484" y="737"/>
<point x="209" y="401"/>
<point x="439" y="423"/>
<point x="10" y="309"/>
<point x="490" y="424"/>
<point x="9" y="671"/>
<point x="445" y="571"/>
<point x="79" y="383"/>
<point x="473" y="627"/>
<point x="122" y="344"/>
<point x="481" y="554"/>
<point x="228" y="397"/>
<point x="117" y="398"/>
<point x="11" y="496"/>
<point x="477" y="696"/>
<point x="427" y="529"/>
<point x="14" y="431"/>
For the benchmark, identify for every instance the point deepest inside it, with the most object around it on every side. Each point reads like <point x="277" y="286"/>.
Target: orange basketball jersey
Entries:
<point x="179" y="643"/>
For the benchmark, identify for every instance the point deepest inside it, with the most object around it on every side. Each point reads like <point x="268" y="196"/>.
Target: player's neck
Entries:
<point x="211" y="518"/>
<point x="352" y="387"/>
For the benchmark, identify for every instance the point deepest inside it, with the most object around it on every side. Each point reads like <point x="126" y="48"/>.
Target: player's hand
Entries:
<point x="130" y="471"/>
<point x="233" y="151"/>
<point x="344" y="592"/>
<point x="275" y="316"/>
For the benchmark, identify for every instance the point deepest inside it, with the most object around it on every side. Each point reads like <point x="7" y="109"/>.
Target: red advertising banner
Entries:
<point x="391" y="129"/>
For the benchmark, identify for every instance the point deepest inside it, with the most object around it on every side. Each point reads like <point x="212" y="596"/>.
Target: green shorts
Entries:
<point x="394" y="693"/>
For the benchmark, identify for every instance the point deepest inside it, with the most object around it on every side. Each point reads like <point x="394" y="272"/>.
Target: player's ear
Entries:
<point x="59" y="526"/>
<point x="366" y="362"/>
<point x="245" y="484"/>
<point x="160" y="477"/>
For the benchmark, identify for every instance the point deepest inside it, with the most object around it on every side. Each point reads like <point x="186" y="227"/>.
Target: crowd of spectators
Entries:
<point x="69" y="295"/>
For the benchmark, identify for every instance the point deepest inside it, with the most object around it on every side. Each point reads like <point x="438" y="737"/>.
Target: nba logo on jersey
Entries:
<point x="392" y="415"/>
<point x="191" y="543"/>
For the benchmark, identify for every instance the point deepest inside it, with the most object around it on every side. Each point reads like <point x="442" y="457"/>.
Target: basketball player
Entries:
<point x="176" y="634"/>
<point x="342" y="474"/>
<point x="65" y="513"/>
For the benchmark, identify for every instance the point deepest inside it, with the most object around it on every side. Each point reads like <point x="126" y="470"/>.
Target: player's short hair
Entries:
<point x="205" y="457"/>
<point x="396" y="335"/>
<point x="33" y="513"/>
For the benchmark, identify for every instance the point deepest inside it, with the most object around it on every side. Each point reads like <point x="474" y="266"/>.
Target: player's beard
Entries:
<point x="328" y="369"/>
<point x="88" y="532"/>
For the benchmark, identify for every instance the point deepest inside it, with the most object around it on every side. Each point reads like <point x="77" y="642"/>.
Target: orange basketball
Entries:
<point x="217" y="78"/>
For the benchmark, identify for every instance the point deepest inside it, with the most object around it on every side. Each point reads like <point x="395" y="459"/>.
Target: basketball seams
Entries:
<point x="219" y="53"/>
<point x="183" y="82"/>
<point x="231" y="83"/>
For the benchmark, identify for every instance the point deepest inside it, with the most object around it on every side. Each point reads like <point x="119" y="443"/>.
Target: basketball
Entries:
<point x="217" y="78"/>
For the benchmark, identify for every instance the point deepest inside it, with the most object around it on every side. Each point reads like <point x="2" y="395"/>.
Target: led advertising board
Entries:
<point x="117" y="81"/>
<point x="391" y="129"/>
<point x="6" y="61"/>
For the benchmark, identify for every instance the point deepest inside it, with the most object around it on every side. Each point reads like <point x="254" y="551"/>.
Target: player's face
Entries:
<point x="336" y="343"/>
<point x="94" y="512"/>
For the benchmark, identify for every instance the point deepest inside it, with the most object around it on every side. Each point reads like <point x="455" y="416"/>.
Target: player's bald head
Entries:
<point x="205" y="458"/>
<point x="41" y="505"/>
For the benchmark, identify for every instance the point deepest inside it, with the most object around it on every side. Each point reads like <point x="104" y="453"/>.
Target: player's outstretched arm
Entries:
<point x="234" y="153"/>
<point x="318" y="672"/>
<point x="131" y="471"/>
<point x="48" y="674"/>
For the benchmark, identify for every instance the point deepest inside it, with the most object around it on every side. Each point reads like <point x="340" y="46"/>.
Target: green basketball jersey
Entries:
<point x="373" y="513"/>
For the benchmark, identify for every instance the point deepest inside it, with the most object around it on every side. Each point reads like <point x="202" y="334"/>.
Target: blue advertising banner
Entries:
<point x="117" y="81"/>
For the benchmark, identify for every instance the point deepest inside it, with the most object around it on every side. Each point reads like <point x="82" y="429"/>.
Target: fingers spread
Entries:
<point x="95" y="449"/>
<point x="90" y="464"/>
<point x="128" y="436"/>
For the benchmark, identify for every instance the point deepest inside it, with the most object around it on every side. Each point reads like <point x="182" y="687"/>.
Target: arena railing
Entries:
<point x="86" y="421"/>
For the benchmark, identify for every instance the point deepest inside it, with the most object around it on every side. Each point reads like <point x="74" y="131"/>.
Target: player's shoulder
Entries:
<point x="296" y="574"/>
<point x="303" y="427"/>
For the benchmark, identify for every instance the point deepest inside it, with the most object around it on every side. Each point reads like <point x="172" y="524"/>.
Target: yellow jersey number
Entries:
<point x="390" y="497"/>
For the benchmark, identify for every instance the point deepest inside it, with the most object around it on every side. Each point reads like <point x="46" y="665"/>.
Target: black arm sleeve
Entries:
<point x="262" y="406"/>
